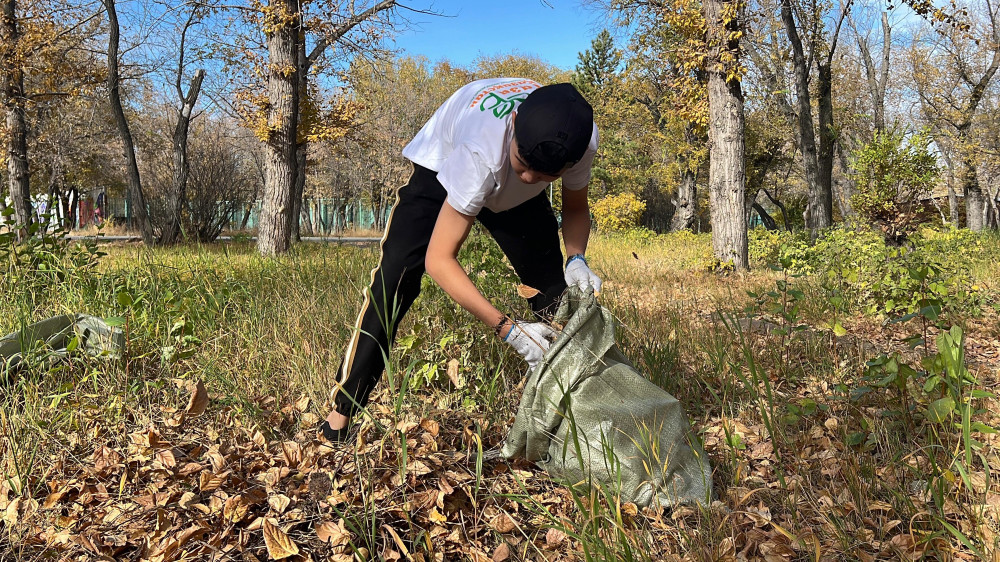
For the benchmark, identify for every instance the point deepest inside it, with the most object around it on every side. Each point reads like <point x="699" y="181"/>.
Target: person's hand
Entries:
<point x="531" y="340"/>
<point x="577" y="273"/>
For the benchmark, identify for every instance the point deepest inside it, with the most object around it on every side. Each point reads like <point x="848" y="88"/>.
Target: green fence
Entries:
<point x="319" y="217"/>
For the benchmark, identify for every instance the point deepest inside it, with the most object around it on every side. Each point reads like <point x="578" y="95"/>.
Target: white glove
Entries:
<point x="531" y="340"/>
<point x="577" y="273"/>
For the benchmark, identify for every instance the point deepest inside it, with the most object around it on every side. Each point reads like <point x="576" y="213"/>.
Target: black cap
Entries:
<point x="553" y="128"/>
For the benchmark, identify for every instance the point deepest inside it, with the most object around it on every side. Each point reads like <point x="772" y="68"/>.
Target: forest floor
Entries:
<point x="836" y="428"/>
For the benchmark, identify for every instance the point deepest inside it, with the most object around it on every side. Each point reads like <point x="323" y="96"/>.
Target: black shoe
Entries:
<point x="335" y="435"/>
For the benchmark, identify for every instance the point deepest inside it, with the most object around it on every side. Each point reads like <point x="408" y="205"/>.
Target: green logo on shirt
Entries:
<point x="501" y="107"/>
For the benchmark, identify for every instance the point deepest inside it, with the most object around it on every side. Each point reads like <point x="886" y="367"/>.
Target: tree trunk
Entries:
<point x="846" y="184"/>
<point x="726" y="175"/>
<point x="71" y="206"/>
<point x="975" y="203"/>
<point x="182" y="168"/>
<point x="246" y="216"/>
<point x="877" y="77"/>
<point x="303" y="62"/>
<point x="300" y="187"/>
<point x="822" y="211"/>
<point x="992" y="212"/>
<point x="686" y="203"/>
<point x="305" y="219"/>
<point x="953" y="207"/>
<point x="274" y="230"/>
<point x="807" y="136"/>
<point x="137" y="201"/>
<point x="765" y="218"/>
<point x="18" y="174"/>
<point x="777" y="203"/>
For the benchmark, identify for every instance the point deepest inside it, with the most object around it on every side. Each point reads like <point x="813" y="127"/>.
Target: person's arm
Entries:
<point x="575" y="221"/>
<point x="576" y="233"/>
<point x="450" y="232"/>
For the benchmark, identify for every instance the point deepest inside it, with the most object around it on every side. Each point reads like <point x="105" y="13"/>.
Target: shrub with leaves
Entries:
<point x="880" y="278"/>
<point x="892" y="173"/>
<point x="767" y="247"/>
<point x="42" y="259"/>
<point x="618" y="213"/>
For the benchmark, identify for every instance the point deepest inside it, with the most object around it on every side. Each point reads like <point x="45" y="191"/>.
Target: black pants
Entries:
<point x="528" y="234"/>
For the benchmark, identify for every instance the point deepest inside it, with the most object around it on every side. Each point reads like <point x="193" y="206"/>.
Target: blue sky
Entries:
<point x="555" y="32"/>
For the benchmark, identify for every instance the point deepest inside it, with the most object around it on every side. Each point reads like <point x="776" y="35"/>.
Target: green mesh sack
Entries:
<point x="587" y="416"/>
<point x="58" y="336"/>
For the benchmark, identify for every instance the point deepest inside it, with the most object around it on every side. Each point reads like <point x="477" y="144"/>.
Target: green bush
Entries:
<point x="879" y="278"/>
<point x="768" y="246"/>
<point x="32" y="267"/>
<point x="891" y="173"/>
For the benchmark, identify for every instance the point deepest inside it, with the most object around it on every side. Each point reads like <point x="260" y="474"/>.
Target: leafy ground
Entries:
<point x="835" y="431"/>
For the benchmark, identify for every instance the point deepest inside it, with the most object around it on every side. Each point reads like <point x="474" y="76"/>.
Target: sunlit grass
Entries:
<point x="775" y="411"/>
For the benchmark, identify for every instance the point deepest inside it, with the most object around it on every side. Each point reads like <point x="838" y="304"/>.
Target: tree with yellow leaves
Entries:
<point x="277" y="83"/>
<point x="43" y="64"/>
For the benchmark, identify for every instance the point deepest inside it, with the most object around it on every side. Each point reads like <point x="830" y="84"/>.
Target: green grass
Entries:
<point x="802" y="464"/>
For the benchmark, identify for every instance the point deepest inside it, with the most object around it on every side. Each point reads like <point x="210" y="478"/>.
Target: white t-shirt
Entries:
<point x="467" y="142"/>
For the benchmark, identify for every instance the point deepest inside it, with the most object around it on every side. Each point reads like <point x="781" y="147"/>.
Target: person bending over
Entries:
<point x="486" y="154"/>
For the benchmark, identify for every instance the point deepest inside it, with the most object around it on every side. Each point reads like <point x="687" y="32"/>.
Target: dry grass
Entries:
<point x="778" y="415"/>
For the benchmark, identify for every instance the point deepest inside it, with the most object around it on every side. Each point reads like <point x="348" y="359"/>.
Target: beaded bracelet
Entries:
<point x="500" y="324"/>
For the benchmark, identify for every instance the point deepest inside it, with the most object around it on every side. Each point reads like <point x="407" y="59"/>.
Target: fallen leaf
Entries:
<point x="436" y="516"/>
<point x="217" y="460"/>
<point x="105" y="458"/>
<point x="776" y="551"/>
<point x="453" y="375"/>
<point x="190" y="468"/>
<point x="503" y="524"/>
<point x="890" y="526"/>
<point x="258" y="439"/>
<point x="292" y="452"/>
<point x="302" y="404"/>
<point x="878" y="505"/>
<point x="52" y="499"/>
<point x="12" y="514"/>
<point x="501" y="553"/>
<point x="278" y="544"/>
<point x="208" y="481"/>
<point x="198" y="401"/>
<point x="166" y="458"/>
<point x="186" y="499"/>
<point x="907" y="545"/>
<point x="279" y="503"/>
<point x="526" y="292"/>
<point x="332" y="533"/>
<point x="235" y="509"/>
<point x="554" y="537"/>
<point x="431" y="426"/>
